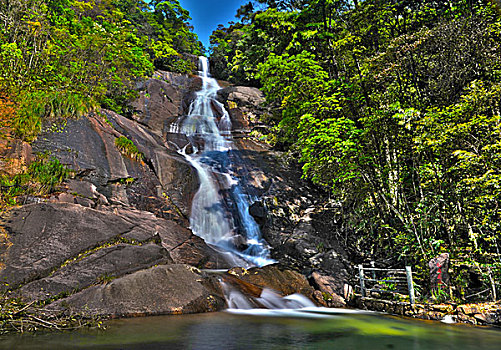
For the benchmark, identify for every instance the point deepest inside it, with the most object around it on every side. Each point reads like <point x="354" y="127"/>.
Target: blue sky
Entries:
<point x="207" y="14"/>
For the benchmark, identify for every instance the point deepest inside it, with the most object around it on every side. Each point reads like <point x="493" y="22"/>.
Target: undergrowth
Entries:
<point x="40" y="179"/>
<point x="34" y="107"/>
<point x="128" y="148"/>
<point x="19" y="317"/>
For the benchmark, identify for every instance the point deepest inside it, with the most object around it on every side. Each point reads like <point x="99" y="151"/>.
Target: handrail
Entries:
<point x="377" y="269"/>
<point x="388" y="281"/>
<point x="408" y="279"/>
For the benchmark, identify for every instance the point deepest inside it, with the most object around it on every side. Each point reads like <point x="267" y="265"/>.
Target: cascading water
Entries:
<point x="220" y="208"/>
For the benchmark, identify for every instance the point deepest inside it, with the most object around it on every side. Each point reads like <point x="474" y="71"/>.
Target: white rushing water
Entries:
<point x="220" y="209"/>
<point x="271" y="304"/>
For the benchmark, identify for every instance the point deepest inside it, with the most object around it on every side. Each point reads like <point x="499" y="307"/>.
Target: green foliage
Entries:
<point x="61" y="58"/>
<point x="164" y="31"/>
<point x="105" y="278"/>
<point x="41" y="178"/>
<point x="128" y="148"/>
<point x="46" y="105"/>
<point x="48" y="173"/>
<point x="392" y="106"/>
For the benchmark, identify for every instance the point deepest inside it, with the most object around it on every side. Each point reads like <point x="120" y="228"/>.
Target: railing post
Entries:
<point x="373" y="265"/>
<point x="493" y="285"/>
<point x="362" y="282"/>
<point x="410" y="285"/>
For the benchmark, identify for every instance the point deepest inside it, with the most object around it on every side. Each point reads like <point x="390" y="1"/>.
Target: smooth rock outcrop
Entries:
<point x="43" y="236"/>
<point x="97" y="267"/>
<point x="161" y="290"/>
<point x="281" y="280"/>
<point x="55" y="248"/>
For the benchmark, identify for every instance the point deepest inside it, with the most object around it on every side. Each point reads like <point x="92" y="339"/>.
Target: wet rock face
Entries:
<point x="98" y="238"/>
<point x="56" y="248"/>
<point x="300" y="225"/>
<point x="245" y="106"/>
<point x="279" y="279"/>
<point x="259" y="213"/>
<point x="296" y="218"/>
<point x="161" y="290"/>
<point x="163" y="99"/>
<point x="186" y="248"/>
<point x="163" y="182"/>
<point x="118" y="215"/>
<point x="166" y="170"/>
<point x="243" y="96"/>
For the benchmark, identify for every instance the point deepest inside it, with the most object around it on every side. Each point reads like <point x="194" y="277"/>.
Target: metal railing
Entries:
<point x="393" y="280"/>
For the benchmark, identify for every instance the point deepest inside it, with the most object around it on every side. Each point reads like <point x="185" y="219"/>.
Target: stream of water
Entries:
<point x="220" y="208"/>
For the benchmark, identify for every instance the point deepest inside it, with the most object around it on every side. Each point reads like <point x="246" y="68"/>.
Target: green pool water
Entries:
<point x="227" y="331"/>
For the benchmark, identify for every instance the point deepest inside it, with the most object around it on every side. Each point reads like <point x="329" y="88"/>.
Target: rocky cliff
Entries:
<point x="115" y="238"/>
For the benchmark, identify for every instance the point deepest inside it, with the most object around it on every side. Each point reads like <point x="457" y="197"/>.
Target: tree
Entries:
<point x="393" y="106"/>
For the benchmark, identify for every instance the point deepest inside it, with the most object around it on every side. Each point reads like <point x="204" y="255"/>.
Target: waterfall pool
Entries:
<point x="286" y="331"/>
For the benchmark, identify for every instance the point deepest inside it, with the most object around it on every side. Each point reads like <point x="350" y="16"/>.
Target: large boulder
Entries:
<point x="186" y="248"/>
<point x="56" y="248"/>
<point x="97" y="267"/>
<point x="245" y="106"/>
<point x="163" y="99"/>
<point x="330" y="290"/>
<point x="243" y="96"/>
<point x="161" y="290"/>
<point x="43" y="236"/>
<point x="281" y="280"/>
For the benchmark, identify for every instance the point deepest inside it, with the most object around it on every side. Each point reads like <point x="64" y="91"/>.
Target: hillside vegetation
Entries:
<point x="394" y="107"/>
<point x="61" y="58"/>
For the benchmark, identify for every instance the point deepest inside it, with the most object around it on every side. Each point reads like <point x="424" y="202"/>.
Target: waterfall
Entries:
<point x="268" y="299"/>
<point x="220" y="208"/>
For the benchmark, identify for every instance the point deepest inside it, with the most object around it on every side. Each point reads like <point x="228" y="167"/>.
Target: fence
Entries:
<point x="394" y="280"/>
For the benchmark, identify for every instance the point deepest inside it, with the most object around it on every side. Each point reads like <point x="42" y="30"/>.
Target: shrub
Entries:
<point x="41" y="178"/>
<point x="39" y="105"/>
<point x="128" y="148"/>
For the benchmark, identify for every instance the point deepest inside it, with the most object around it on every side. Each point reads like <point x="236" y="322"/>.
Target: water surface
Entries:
<point x="227" y="331"/>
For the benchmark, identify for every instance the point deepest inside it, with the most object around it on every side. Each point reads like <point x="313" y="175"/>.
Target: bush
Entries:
<point x="41" y="178"/>
<point x="128" y="148"/>
<point x="48" y="174"/>
<point x="39" y="105"/>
